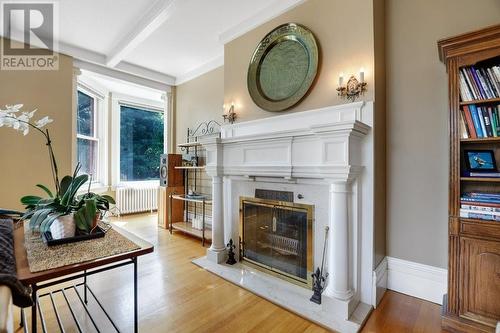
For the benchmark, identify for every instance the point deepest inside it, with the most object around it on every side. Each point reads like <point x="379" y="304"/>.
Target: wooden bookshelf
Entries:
<point x="481" y="140"/>
<point x="480" y="179"/>
<point x="481" y="101"/>
<point x="472" y="303"/>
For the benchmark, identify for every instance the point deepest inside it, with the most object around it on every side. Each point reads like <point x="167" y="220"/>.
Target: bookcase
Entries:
<point x="472" y="302"/>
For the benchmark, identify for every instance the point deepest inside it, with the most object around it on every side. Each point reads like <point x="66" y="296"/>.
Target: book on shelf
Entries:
<point x="479" y="208"/>
<point x="477" y="203"/>
<point x="489" y="216"/>
<point x="481" y="174"/>
<point x="487" y="198"/>
<point x="463" y="129"/>
<point x="480" y="121"/>
<point x="484" y="206"/>
<point x="478" y="83"/>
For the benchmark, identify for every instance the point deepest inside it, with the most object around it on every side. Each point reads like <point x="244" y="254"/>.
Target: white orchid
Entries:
<point x="21" y="123"/>
<point x="42" y="122"/>
<point x="14" y="108"/>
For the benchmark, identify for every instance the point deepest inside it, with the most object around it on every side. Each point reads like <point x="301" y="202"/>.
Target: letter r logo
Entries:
<point x="31" y="24"/>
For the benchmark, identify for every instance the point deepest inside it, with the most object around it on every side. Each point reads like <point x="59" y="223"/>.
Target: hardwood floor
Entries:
<point x="177" y="296"/>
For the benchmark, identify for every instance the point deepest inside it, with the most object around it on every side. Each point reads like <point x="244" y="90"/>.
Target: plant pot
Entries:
<point x="63" y="227"/>
<point x="96" y="220"/>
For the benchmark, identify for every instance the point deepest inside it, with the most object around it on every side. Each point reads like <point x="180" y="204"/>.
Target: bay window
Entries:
<point x="87" y="136"/>
<point x="142" y="137"/>
<point x="91" y="133"/>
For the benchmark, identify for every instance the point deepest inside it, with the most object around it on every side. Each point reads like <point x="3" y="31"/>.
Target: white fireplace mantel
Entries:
<point x="327" y="154"/>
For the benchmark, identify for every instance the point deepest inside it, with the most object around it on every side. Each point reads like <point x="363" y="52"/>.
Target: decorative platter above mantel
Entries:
<point x="283" y="67"/>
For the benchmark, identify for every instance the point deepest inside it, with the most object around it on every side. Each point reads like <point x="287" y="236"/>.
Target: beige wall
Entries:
<point x="199" y="100"/>
<point x="351" y="35"/>
<point x="196" y="101"/>
<point x="25" y="160"/>
<point x="380" y="233"/>
<point x="417" y="137"/>
<point x="346" y="45"/>
<point x="344" y="30"/>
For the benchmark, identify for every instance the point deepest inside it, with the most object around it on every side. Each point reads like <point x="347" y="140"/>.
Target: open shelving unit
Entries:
<point x="199" y="203"/>
<point x="186" y="226"/>
<point x="472" y="302"/>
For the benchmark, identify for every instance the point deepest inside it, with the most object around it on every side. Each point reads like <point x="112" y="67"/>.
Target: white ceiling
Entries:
<point x="165" y="41"/>
<point x="96" y="25"/>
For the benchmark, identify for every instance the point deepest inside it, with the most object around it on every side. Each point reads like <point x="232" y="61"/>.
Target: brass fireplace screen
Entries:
<point x="276" y="236"/>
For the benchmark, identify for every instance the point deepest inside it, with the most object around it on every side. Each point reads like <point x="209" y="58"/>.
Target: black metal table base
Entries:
<point x="83" y="300"/>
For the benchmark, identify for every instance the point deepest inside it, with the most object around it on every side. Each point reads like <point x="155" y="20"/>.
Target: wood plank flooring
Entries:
<point x="177" y="296"/>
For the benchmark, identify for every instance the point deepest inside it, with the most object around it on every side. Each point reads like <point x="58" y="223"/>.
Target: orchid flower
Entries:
<point x="22" y="123"/>
<point x="42" y="122"/>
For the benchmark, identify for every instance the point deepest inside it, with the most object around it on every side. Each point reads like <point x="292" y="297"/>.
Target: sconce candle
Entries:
<point x="354" y="87"/>
<point x="230" y="116"/>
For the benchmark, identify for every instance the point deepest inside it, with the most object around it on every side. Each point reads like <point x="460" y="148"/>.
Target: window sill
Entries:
<point x="95" y="188"/>
<point x="138" y="184"/>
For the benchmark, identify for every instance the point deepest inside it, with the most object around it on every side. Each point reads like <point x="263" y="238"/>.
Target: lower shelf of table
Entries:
<point x="187" y="228"/>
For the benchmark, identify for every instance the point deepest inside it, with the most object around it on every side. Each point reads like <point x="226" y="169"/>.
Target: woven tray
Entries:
<point x="41" y="257"/>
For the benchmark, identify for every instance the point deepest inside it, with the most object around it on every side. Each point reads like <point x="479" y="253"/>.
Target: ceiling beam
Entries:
<point x="157" y="14"/>
<point x="120" y="75"/>
<point x="92" y="60"/>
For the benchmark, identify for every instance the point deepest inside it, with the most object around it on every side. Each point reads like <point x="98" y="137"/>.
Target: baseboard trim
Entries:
<point x="379" y="282"/>
<point x="410" y="278"/>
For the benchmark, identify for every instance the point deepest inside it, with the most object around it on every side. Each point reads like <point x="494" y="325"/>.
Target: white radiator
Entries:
<point x="136" y="198"/>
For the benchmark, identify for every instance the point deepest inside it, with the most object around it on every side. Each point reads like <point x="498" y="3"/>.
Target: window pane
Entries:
<point x="85" y="122"/>
<point x="87" y="156"/>
<point x="141" y="143"/>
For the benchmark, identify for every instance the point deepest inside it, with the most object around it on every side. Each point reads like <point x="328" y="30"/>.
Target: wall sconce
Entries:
<point x="230" y="116"/>
<point x="354" y="88"/>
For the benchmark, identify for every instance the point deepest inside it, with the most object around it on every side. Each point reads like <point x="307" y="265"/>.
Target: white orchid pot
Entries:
<point x="63" y="227"/>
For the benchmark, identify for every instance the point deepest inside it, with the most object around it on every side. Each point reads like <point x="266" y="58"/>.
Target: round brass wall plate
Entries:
<point x="283" y="67"/>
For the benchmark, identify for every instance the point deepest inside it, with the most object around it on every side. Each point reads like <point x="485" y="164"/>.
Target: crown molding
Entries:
<point x="198" y="71"/>
<point x="274" y="10"/>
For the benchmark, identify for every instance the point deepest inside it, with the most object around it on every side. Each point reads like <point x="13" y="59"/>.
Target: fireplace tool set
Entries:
<point x="230" y="253"/>
<point x="319" y="279"/>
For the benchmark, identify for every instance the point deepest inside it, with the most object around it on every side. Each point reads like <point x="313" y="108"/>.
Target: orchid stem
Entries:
<point x="53" y="163"/>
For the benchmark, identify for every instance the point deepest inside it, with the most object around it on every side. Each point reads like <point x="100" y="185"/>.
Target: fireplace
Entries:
<point x="276" y="236"/>
<point x="325" y="158"/>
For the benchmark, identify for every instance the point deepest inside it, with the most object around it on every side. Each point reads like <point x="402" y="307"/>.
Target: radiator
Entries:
<point x="137" y="198"/>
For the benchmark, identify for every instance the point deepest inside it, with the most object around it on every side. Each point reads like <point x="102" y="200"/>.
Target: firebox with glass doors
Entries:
<point x="276" y="236"/>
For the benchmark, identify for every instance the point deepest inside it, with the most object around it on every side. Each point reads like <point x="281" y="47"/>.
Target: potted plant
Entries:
<point x="66" y="214"/>
<point x="63" y="213"/>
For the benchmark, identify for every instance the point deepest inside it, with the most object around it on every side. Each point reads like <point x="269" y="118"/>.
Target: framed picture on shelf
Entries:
<point x="480" y="160"/>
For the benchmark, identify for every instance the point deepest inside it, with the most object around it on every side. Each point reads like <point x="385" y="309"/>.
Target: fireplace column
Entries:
<point x="217" y="251"/>
<point x="338" y="243"/>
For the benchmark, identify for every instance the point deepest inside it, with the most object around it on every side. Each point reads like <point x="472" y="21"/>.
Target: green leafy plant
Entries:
<point x="90" y="205"/>
<point x="42" y="212"/>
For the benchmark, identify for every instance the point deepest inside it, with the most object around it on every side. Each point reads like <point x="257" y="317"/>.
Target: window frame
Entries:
<point x="100" y="132"/>
<point x="119" y="100"/>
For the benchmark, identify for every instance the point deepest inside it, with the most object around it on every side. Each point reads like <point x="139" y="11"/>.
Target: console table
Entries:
<point x="64" y="274"/>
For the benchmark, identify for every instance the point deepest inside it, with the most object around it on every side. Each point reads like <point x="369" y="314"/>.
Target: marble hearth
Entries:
<point x="325" y="157"/>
